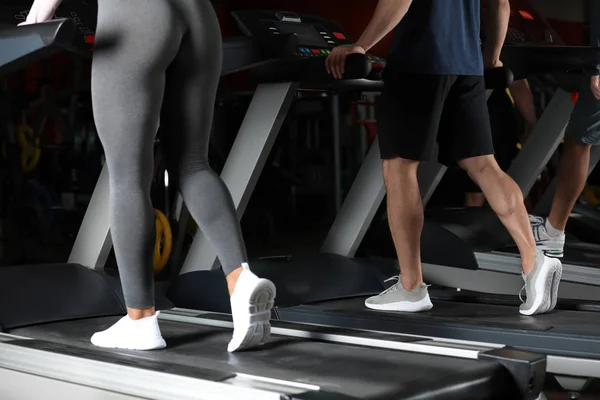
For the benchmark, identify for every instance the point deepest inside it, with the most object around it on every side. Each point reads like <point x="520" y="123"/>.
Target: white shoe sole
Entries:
<point x="555" y="286"/>
<point x="156" y="345"/>
<point x="545" y="285"/>
<point x="404" y="306"/>
<point x="258" y="330"/>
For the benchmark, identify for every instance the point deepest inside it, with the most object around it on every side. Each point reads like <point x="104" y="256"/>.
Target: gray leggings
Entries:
<point x="159" y="61"/>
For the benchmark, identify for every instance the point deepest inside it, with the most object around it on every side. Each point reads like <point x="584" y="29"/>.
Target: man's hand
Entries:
<point x="595" y="86"/>
<point x="336" y="61"/>
<point x="41" y="11"/>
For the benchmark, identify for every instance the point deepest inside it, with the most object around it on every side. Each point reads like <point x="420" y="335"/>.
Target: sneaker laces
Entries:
<point x="523" y="289"/>
<point x="393" y="287"/>
<point x="521" y="294"/>
<point x="535" y="220"/>
<point x="538" y="226"/>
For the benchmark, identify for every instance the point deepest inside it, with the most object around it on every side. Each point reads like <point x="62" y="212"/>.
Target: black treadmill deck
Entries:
<point x="355" y="371"/>
<point x="563" y="333"/>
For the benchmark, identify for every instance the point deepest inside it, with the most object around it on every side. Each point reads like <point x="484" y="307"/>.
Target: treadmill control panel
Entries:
<point x="527" y="26"/>
<point x="316" y="36"/>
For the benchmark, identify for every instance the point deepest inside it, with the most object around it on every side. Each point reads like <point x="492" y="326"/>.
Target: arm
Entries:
<point x="386" y="17"/>
<point x="498" y="14"/>
<point x="41" y="11"/>
<point x="524" y="103"/>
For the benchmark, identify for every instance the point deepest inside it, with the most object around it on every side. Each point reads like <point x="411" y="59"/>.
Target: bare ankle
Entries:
<point x="232" y="279"/>
<point x="411" y="283"/>
<point x="140" y="313"/>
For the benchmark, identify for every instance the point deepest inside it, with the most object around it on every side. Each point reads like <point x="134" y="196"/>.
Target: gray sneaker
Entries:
<point x="396" y="298"/>
<point x="541" y="285"/>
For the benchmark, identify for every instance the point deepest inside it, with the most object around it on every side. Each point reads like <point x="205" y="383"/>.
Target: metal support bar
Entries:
<point x="93" y="243"/>
<point x="182" y="217"/>
<point x="247" y="159"/>
<point x="542" y="143"/>
<point x="544" y="205"/>
<point x="337" y="156"/>
<point x="359" y="208"/>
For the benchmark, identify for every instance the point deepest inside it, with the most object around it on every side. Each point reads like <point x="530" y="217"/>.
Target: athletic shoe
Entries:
<point x="541" y="285"/>
<point x="396" y="298"/>
<point x="552" y="246"/>
<point x="140" y="334"/>
<point x="251" y="305"/>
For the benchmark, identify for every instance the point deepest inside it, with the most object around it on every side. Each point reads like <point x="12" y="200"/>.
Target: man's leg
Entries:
<point x="474" y="199"/>
<point x="469" y="140"/>
<point x="506" y="199"/>
<point x="405" y="216"/>
<point x="582" y="132"/>
<point x="408" y="126"/>
<point x="570" y="181"/>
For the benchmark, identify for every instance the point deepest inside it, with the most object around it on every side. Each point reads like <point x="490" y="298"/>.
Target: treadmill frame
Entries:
<point x="73" y="365"/>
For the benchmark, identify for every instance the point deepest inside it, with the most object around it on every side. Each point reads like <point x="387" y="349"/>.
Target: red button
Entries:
<point x="90" y="39"/>
<point x="316" y="51"/>
<point x="339" y="35"/>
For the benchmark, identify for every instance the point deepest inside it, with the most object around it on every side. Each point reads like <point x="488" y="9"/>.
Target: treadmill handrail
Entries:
<point x="56" y="32"/>
<point x="38" y="41"/>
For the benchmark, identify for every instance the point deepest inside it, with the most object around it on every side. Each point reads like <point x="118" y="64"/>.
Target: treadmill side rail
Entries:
<point x="124" y="379"/>
<point x="527" y="369"/>
<point x="94" y="243"/>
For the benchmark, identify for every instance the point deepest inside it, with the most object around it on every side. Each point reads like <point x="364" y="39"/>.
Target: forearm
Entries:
<point x="386" y="17"/>
<point x="521" y="93"/>
<point x="497" y="15"/>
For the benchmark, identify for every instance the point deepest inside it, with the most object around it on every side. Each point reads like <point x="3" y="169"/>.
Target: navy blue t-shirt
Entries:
<point x="438" y="37"/>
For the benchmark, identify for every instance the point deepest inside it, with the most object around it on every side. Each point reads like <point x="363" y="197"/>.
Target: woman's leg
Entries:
<point x="136" y="41"/>
<point x="187" y="116"/>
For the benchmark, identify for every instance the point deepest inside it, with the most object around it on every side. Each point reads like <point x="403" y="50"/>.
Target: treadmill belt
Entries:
<point x="561" y="333"/>
<point x="350" y="370"/>
<point x="451" y="312"/>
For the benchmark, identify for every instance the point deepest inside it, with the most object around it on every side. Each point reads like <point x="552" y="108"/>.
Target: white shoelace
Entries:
<point x="538" y="226"/>
<point x="396" y="286"/>
<point x="393" y="287"/>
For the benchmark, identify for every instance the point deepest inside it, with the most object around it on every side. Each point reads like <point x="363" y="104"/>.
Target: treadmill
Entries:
<point x="48" y="313"/>
<point x="332" y="293"/>
<point x="568" y="336"/>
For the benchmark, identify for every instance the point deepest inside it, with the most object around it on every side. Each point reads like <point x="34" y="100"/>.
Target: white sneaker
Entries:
<point x="141" y="334"/>
<point x="396" y="298"/>
<point x="552" y="246"/>
<point x="251" y="305"/>
<point x="541" y="285"/>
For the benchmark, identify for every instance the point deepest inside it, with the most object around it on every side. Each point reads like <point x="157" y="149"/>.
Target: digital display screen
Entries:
<point x="307" y="34"/>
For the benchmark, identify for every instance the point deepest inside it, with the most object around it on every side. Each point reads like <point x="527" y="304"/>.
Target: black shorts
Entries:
<point x="416" y="111"/>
